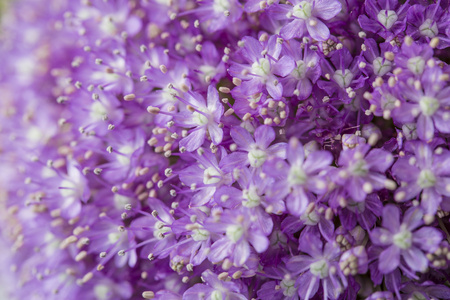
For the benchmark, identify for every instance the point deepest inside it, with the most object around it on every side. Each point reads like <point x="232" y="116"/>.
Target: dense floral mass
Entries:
<point x="225" y="149"/>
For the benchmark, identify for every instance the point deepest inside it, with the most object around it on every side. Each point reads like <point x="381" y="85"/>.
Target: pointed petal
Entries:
<point x="264" y="135"/>
<point x="415" y="259"/>
<point x="389" y="259"/>
<point x="259" y="241"/>
<point x="215" y="133"/>
<point x="319" y="31"/>
<point x="391" y="217"/>
<point x="241" y="137"/>
<point x="425" y="128"/>
<point x="194" y="140"/>
<point x="326" y="9"/>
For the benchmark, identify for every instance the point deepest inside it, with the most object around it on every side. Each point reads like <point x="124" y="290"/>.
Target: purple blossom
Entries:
<point x="215" y="289"/>
<point x="239" y="235"/>
<point x="385" y="18"/>
<point x="306" y="17"/>
<point x="425" y="23"/>
<point x="425" y="103"/>
<point x="343" y="75"/>
<point x="305" y="73"/>
<point x="217" y="14"/>
<point x="317" y="265"/>
<point x="203" y="116"/>
<point x="260" y="66"/>
<point x="297" y="178"/>
<point x="403" y="240"/>
<point x="360" y="171"/>
<point x="422" y="173"/>
<point x="253" y="151"/>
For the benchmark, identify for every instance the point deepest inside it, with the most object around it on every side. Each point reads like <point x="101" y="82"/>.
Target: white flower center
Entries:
<point x="35" y="134"/>
<point x="387" y="18"/>
<point x="426" y="179"/>
<point x="200" y="118"/>
<point x="69" y="189"/>
<point x="252" y="197"/>
<point x="310" y="219"/>
<point x="113" y="237"/>
<point x="381" y="66"/>
<point x="410" y="131"/>
<point x="108" y="25"/>
<point x="126" y="151"/>
<point x="221" y="6"/>
<point x="169" y="94"/>
<point x="102" y="291"/>
<point x="428" y="105"/>
<point x="200" y="234"/>
<point x="416" y="65"/>
<point x="211" y="176"/>
<point x="216" y="295"/>
<point x="234" y="232"/>
<point x="160" y="230"/>
<point x="261" y="67"/>
<point x="257" y="157"/>
<point x="98" y="111"/>
<point x="343" y="79"/>
<point x="288" y="287"/>
<point x="297" y="176"/>
<point x="300" y="71"/>
<point x="165" y="2"/>
<point x="319" y="268"/>
<point x="359" y="168"/>
<point x="403" y="239"/>
<point x="429" y="28"/>
<point x="303" y="10"/>
<point x="207" y="70"/>
<point x="388" y="102"/>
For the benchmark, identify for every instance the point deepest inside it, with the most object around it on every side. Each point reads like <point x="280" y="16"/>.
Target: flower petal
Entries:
<point x="389" y="259"/>
<point x="415" y="259"/>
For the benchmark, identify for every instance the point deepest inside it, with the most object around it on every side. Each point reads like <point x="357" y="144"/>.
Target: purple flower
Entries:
<point x="318" y="265"/>
<point x="425" y="101"/>
<point x="375" y="56"/>
<point x="361" y="172"/>
<point x="403" y="240"/>
<point x="253" y="151"/>
<point x="260" y="64"/>
<point x="343" y="76"/>
<point x="251" y="197"/>
<point x="423" y="172"/>
<point x="385" y="18"/>
<point x="305" y="73"/>
<point x="364" y="213"/>
<point x="285" y="289"/>
<point x="239" y="234"/>
<point x="205" y="176"/>
<point x="413" y="57"/>
<point x="203" y="116"/>
<point x="306" y="17"/>
<point x="426" y="290"/>
<point x="425" y="23"/>
<point x="217" y="14"/>
<point x="213" y="289"/>
<point x="297" y="178"/>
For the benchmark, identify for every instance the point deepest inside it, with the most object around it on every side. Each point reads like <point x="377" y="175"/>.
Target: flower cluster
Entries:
<point x="225" y="149"/>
